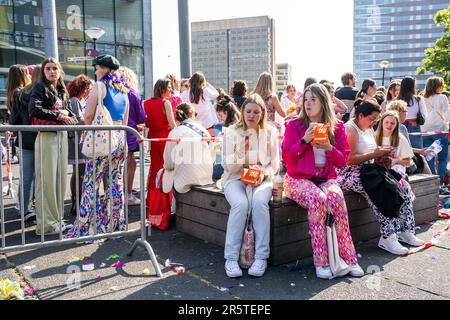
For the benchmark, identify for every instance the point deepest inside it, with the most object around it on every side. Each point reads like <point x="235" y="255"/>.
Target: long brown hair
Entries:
<point x="17" y="78"/>
<point x="395" y="137"/>
<point x="328" y="116"/>
<point x="264" y="86"/>
<point x="226" y="104"/>
<point x="433" y="85"/>
<point x="60" y="86"/>
<point x="161" y="86"/>
<point x="197" y="83"/>
<point x="256" y="99"/>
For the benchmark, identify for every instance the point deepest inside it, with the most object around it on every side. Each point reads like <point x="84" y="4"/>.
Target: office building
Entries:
<point x="398" y="31"/>
<point x="234" y="49"/>
<point x="283" y="77"/>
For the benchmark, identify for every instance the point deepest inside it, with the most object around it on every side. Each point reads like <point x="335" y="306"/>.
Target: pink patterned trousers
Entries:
<point x="312" y="197"/>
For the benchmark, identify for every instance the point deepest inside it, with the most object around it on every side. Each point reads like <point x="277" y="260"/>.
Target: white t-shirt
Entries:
<point x="287" y="103"/>
<point x="413" y="109"/>
<point x="403" y="151"/>
<point x="206" y="113"/>
<point x="320" y="156"/>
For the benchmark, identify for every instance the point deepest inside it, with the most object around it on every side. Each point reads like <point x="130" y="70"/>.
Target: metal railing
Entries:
<point x="142" y="230"/>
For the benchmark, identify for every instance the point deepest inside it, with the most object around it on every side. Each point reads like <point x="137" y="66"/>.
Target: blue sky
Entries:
<point x="315" y="37"/>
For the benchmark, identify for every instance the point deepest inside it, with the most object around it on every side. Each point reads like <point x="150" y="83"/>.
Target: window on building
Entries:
<point x="129" y="23"/>
<point x="70" y="15"/>
<point x="100" y="14"/>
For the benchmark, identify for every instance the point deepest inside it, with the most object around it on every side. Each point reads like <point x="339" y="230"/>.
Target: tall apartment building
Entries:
<point x="283" y="77"/>
<point x="398" y="31"/>
<point x="234" y="49"/>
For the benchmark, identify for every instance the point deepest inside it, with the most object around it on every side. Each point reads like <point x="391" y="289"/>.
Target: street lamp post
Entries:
<point x="95" y="34"/>
<point x="384" y="65"/>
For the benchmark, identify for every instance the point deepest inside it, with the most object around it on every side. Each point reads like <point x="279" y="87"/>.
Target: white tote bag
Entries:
<point x="96" y="144"/>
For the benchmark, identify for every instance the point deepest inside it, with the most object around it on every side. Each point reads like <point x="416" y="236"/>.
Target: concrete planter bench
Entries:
<point x="203" y="213"/>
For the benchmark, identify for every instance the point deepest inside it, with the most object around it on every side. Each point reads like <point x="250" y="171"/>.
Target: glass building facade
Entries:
<point x="22" y="34"/>
<point x="398" y="31"/>
<point x="233" y="49"/>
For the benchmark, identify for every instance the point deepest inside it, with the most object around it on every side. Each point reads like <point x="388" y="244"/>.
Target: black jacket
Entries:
<point x="382" y="188"/>
<point x="20" y="117"/>
<point x="48" y="98"/>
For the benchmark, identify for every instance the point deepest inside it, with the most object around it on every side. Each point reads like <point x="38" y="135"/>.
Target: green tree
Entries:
<point x="438" y="58"/>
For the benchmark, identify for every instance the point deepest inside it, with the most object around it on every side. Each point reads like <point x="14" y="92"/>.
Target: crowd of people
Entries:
<point x="372" y="131"/>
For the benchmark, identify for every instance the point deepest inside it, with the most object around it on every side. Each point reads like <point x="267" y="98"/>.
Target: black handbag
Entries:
<point x="420" y="119"/>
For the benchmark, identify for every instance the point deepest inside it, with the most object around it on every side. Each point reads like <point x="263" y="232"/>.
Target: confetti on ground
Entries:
<point x="427" y="222"/>
<point x="98" y="277"/>
<point x="359" y="255"/>
<point x="223" y="289"/>
<point x="292" y="284"/>
<point x="146" y="272"/>
<point x="119" y="264"/>
<point x="87" y="258"/>
<point x="113" y="257"/>
<point x="103" y="265"/>
<point x="30" y="290"/>
<point x="180" y="270"/>
<point x="29" y="267"/>
<point x="241" y="285"/>
<point x="88" y="267"/>
<point x="114" y="288"/>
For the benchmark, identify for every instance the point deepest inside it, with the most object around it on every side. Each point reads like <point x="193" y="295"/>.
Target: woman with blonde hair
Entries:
<point x="311" y="176"/>
<point x="136" y="120"/>
<point x="201" y="95"/>
<point x="437" y="120"/>
<point x="249" y="142"/>
<point x="264" y="89"/>
<point x="175" y="98"/>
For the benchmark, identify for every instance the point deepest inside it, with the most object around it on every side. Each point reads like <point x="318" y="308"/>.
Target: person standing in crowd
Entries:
<point x="18" y="80"/>
<point x="184" y="85"/>
<point x="239" y="92"/>
<point x="175" y="98"/>
<point x="50" y="102"/>
<point x="311" y="177"/>
<point x="202" y="96"/>
<point x="193" y="168"/>
<point x="416" y="105"/>
<point x="264" y="88"/>
<point x="228" y="112"/>
<point x="95" y="218"/>
<point x="364" y="150"/>
<point x="347" y="93"/>
<point x="368" y="90"/>
<point x="392" y="94"/>
<point x="290" y="100"/>
<point x="160" y="122"/>
<point x="136" y="120"/>
<point x="78" y="89"/>
<point x="309" y="81"/>
<point x="437" y="120"/>
<point x="241" y="150"/>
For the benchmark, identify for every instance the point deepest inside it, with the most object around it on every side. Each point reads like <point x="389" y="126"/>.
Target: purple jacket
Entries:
<point x="299" y="158"/>
<point x="136" y="116"/>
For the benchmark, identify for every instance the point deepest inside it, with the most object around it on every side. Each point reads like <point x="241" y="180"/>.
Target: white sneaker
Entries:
<point x="356" y="270"/>
<point x="258" y="268"/>
<point x="232" y="269"/>
<point x="57" y="230"/>
<point x="132" y="200"/>
<point x="323" y="272"/>
<point x="409" y="238"/>
<point x="392" y="245"/>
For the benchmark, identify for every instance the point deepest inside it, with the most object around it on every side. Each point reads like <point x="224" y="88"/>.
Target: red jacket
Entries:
<point x="299" y="158"/>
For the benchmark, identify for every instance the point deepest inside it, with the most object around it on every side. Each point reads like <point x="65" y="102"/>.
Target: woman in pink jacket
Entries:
<point x="311" y="173"/>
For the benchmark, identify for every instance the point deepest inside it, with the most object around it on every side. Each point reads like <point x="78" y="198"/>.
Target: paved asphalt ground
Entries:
<point x="424" y="275"/>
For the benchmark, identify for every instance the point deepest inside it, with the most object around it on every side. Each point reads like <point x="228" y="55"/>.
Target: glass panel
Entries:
<point x="68" y="49"/>
<point x="69" y="18"/>
<point x="100" y="14"/>
<point x="6" y="60"/>
<point x="129" y="22"/>
<point x="28" y="11"/>
<point x="30" y="50"/>
<point x="132" y="58"/>
<point x="6" y="10"/>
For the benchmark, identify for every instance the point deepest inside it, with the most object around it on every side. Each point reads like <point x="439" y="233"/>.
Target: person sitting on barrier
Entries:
<point x="400" y="107"/>
<point x="50" y="105"/>
<point x="95" y="218"/>
<point x="78" y="90"/>
<point x="18" y="80"/>
<point x="311" y="176"/>
<point x="249" y="142"/>
<point x="136" y="120"/>
<point x="229" y="113"/>
<point x="364" y="150"/>
<point x="188" y="163"/>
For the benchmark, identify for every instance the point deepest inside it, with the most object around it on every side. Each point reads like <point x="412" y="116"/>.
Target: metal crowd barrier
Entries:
<point x="142" y="241"/>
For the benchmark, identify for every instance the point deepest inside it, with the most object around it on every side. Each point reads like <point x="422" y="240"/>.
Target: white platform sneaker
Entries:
<point x="409" y="238"/>
<point x="392" y="245"/>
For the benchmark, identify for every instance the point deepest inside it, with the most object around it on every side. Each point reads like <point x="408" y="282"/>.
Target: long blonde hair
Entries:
<point x="395" y="137"/>
<point x="264" y="88"/>
<point x="328" y="116"/>
<point x="131" y="79"/>
<point x="256" y="99"/>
